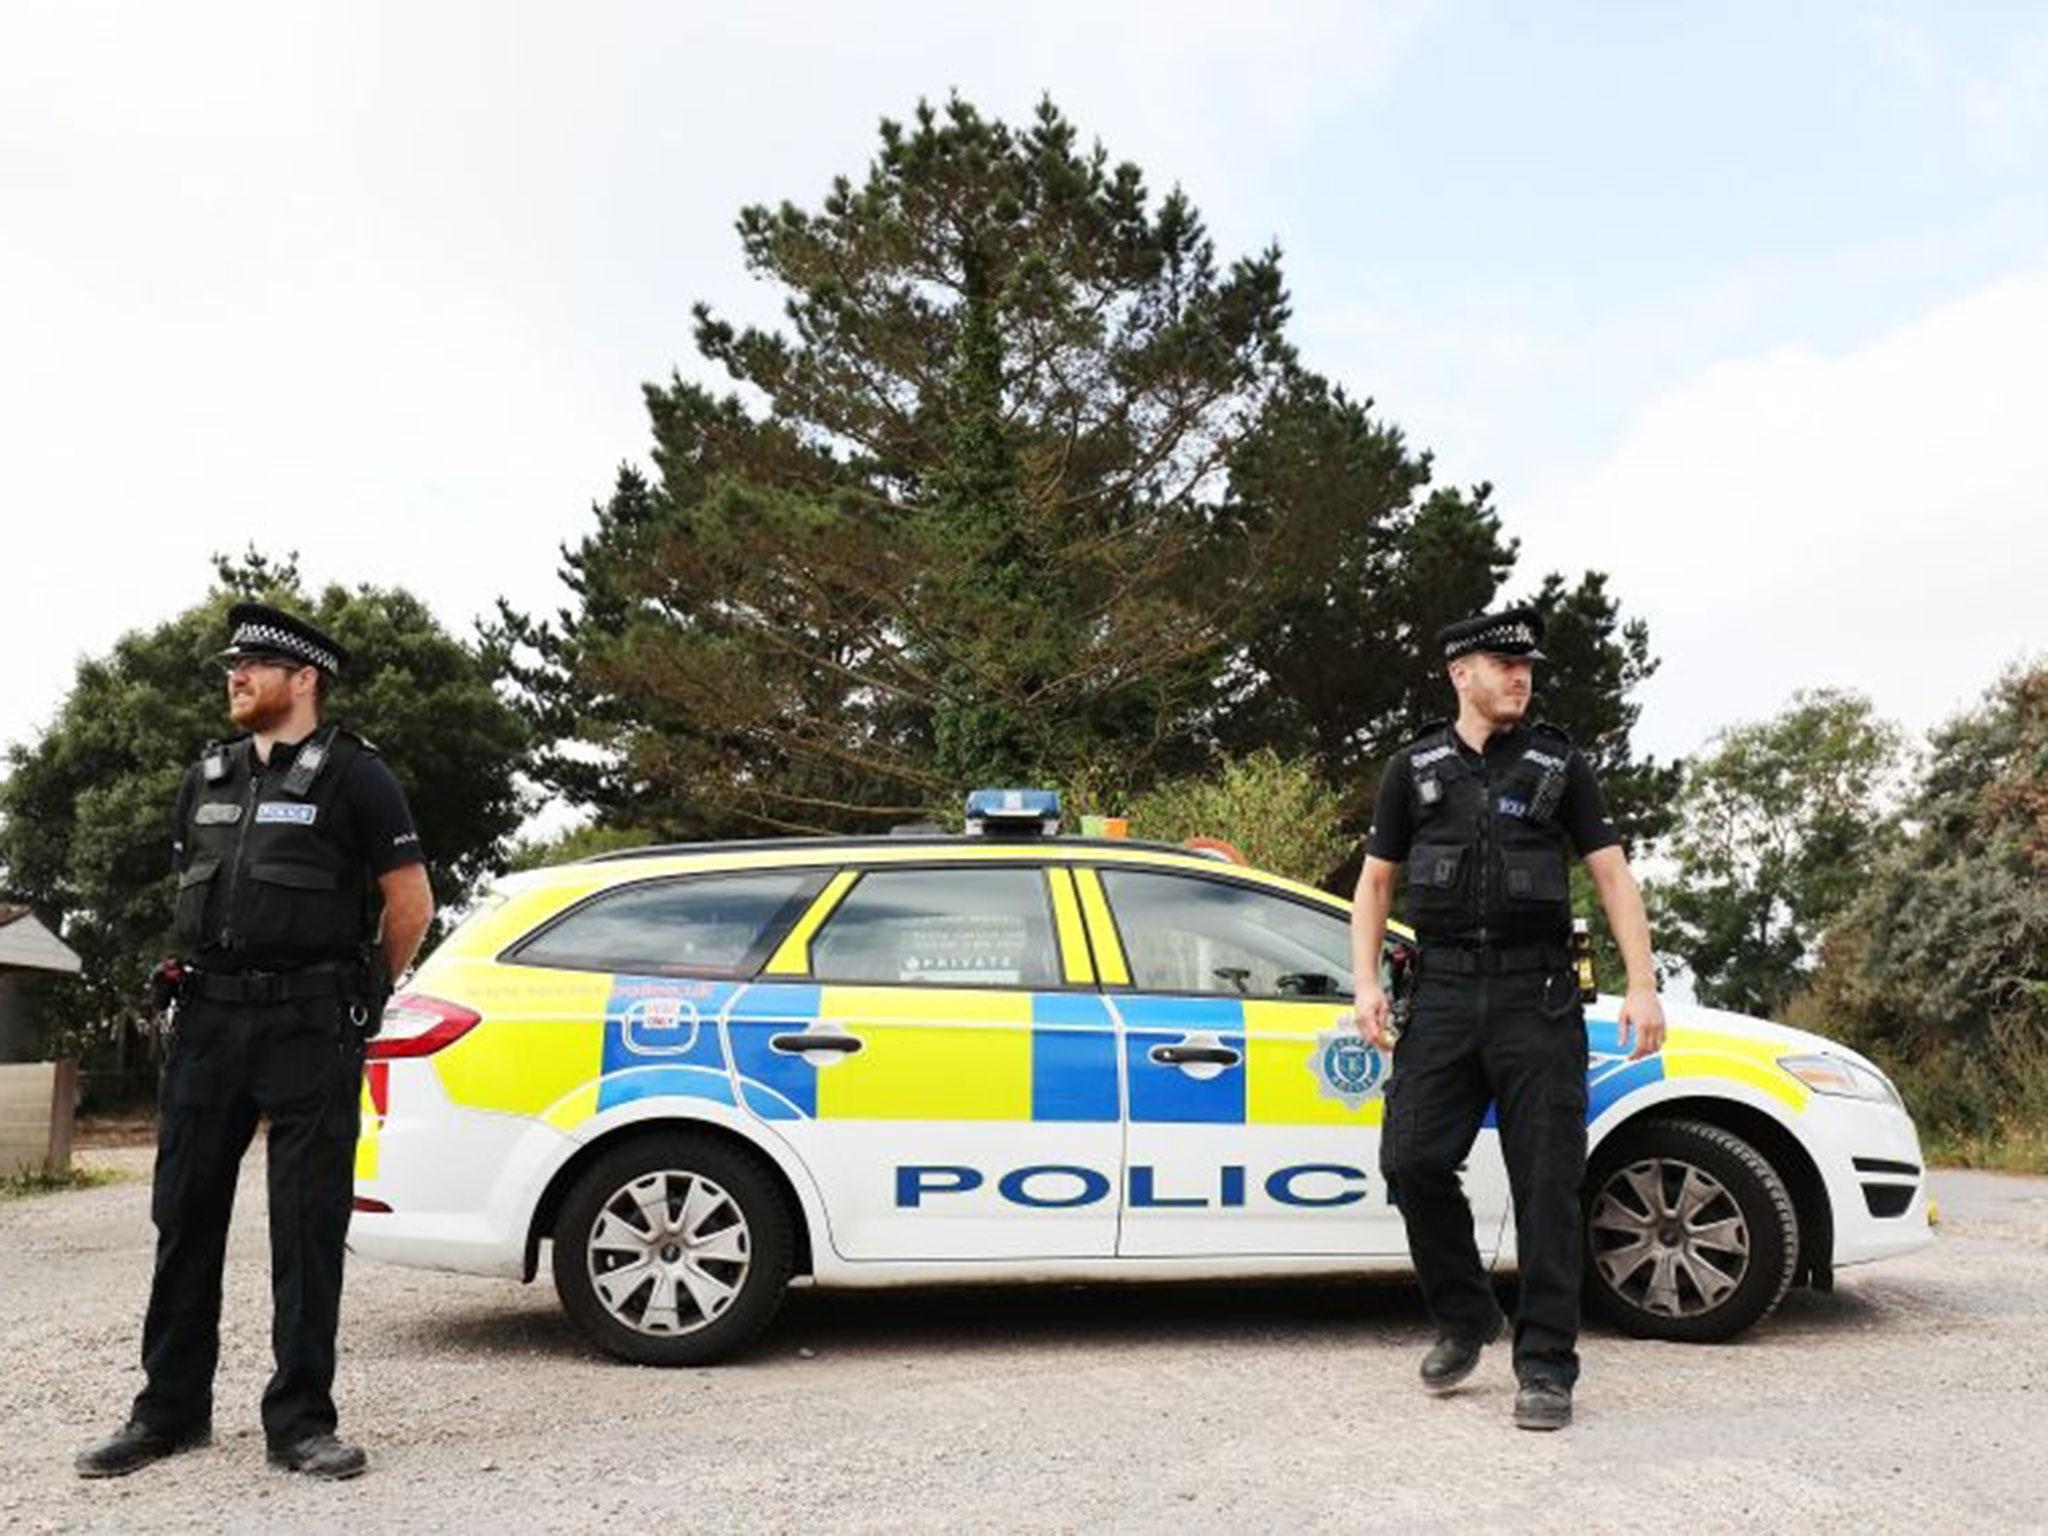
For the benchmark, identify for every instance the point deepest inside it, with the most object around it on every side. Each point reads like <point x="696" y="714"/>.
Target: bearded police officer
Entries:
<point x="301" y="895"/>
<point x="1483" y="812"/>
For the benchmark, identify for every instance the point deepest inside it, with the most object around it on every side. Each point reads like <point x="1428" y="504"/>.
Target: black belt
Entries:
<point x="327" y="980"/>
<point x="1492" y="960"/>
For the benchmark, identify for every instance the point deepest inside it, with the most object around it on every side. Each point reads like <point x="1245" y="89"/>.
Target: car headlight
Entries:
<point x="1844" y="1079"/>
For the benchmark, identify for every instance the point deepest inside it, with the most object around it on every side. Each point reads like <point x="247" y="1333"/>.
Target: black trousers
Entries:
<point x="1519" y="1042"/>
<point x="300" y="1064"/>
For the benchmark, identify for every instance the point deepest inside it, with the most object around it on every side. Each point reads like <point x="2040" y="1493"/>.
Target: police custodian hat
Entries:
<point x="1511" y="632"/>
<point x="258" y="630"/>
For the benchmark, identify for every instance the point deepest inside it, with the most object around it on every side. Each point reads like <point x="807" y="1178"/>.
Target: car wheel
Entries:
<point x="673" y="1249"/>
<point x="1690" y="1233"/>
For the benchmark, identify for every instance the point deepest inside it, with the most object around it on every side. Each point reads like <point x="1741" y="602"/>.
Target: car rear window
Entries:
<point x="720" y="924"/>
<point x="941" y="927"/>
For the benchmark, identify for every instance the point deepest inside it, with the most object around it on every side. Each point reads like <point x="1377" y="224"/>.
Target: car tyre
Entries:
<point x="674" y="1249"/>
<point x="1690" y="1234"/>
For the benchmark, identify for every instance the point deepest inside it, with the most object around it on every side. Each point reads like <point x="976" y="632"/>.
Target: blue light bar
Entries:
<point x="1031" y="812"/>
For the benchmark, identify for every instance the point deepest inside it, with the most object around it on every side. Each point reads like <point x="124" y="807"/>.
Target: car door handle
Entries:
<point x="808" y="1040"/>
<point x="1196" y="1055"/>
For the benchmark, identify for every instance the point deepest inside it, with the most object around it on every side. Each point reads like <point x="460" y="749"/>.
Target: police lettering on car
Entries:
<point x="1056" y="1186"/>
<point x="300" y="895"/>
<point x="1484" y="813"/>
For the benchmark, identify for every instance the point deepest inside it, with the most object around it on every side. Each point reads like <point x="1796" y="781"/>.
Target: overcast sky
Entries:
<point x="1744" y="304"/>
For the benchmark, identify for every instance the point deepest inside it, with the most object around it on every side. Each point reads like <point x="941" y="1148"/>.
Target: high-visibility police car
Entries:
<point x="702" y="1071"/>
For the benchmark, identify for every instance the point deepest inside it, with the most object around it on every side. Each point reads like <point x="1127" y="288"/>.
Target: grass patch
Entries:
<point x="19" y="1186"/>
<point x="2013" y="1149"/>
<point x="1975" y="1108"/>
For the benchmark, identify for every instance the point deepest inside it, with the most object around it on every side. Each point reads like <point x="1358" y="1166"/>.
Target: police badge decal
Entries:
<point x="1346" y="1068"/>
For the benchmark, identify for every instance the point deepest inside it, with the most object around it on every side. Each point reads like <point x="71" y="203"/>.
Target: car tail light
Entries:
<point x="373" y="1207"/>
<point x="418" y="1025"/>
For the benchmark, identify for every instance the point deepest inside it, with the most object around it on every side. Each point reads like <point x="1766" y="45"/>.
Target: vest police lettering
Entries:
<point x="1488" y="861"/>
<point x="264" y="878"/>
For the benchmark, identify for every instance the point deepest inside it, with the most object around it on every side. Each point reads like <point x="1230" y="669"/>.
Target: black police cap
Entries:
<point x="259" y="630"/>
<point x="1511" y="632"/>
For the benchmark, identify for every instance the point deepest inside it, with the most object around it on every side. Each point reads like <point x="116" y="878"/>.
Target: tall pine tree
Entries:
<point x="1031" y="487"/>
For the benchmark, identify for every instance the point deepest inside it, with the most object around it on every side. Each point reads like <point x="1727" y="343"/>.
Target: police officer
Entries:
<point x="1483" y="811"/>
<point x="301" y="895"/>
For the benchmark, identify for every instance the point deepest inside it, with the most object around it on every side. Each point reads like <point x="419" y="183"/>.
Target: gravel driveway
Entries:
<point x="1913" y="1398"/>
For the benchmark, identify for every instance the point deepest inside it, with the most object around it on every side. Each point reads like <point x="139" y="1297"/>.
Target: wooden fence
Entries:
<point x="37" y="1101"/>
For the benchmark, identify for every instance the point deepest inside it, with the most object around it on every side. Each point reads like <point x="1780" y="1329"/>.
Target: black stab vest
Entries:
<point x="265" y="878"/>
<point x="1488" y="862"/>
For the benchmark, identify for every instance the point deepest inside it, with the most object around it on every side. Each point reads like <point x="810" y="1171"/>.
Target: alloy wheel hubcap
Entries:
<point x="1668" y="1237"/>
<point x="669" y="1252"/>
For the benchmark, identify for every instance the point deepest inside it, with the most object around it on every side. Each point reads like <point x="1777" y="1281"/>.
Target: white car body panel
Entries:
<point x="462" y="1184"/>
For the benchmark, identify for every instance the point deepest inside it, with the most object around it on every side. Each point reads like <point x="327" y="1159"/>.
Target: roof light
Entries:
<point x="1013" y="812"/>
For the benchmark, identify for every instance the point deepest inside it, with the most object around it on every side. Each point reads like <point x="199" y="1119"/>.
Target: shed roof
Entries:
<point x="26" y="945"/>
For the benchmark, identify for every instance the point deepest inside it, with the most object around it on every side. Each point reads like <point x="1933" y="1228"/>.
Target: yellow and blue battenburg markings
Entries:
<point x="1168" y="1094"/>
<point x="928" y="1053"/>
<point x="1073" y="1058"/>
<point x="776" y="1085"/>
<point x="586" y="1043"/>
<point x="1688" y="1053"/>
<point x="661" y="1040"/>
<point x="1610" y="1075"/>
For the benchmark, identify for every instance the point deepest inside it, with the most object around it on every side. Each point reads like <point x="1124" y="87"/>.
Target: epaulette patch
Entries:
<point x="1435" y="742"/>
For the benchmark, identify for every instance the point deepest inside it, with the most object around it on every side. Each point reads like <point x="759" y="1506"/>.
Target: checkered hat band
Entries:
<point x="268" y="637"/>
<point x="1500" y="634"/>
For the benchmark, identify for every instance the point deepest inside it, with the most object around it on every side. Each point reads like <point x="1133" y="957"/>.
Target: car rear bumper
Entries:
<point x="439" y="1186"/>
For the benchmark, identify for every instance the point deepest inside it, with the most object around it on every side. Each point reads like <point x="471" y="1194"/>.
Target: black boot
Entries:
<point x="1543" y="1405"/>
<point x="135" y="1445"/>
<point x="1451" y="1360"/>
<point x="321" y="1456"/>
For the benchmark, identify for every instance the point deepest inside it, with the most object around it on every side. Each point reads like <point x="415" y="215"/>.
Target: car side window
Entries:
<point x="720" y="925"/>
<point x="1183" y="933"/>
<point x="941" y="927"/>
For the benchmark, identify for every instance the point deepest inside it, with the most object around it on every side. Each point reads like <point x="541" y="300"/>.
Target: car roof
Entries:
<point x="951" y="841"/>
<point x="669" y="860"/>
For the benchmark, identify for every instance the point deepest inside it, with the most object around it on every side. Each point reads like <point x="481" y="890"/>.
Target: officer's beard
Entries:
<point x="258" y="710"/>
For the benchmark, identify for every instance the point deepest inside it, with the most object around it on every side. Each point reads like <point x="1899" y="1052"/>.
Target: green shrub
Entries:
<point x="1276" y="811"/>
<point x="19" y="1186"/>
<point x="1939" y="969"/>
